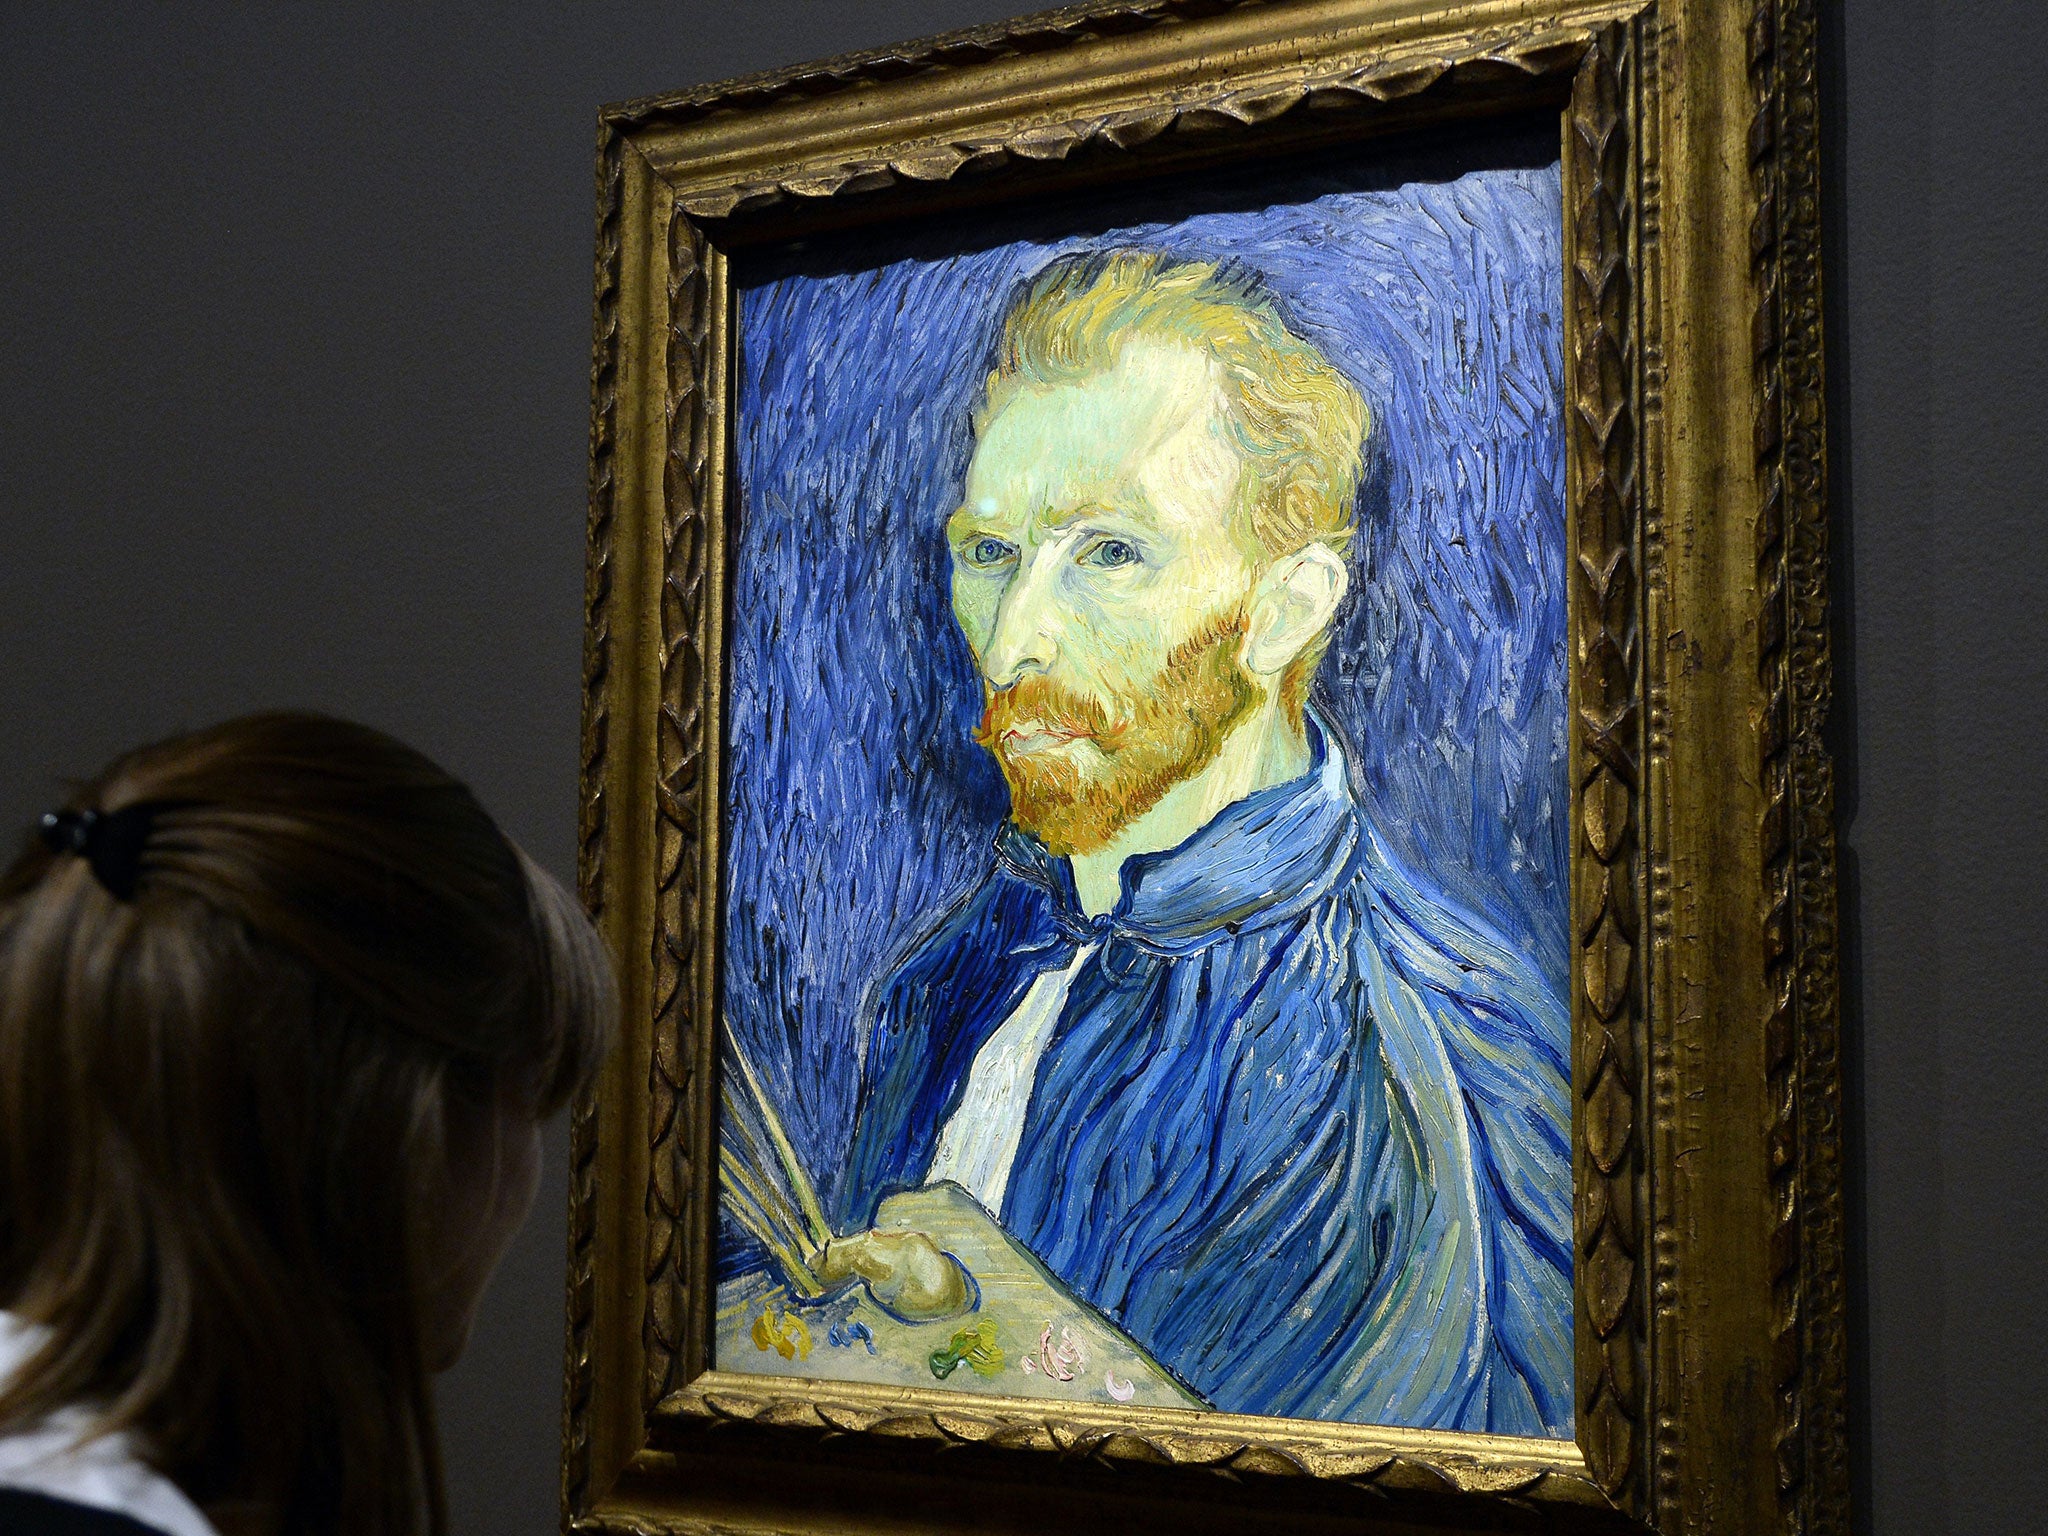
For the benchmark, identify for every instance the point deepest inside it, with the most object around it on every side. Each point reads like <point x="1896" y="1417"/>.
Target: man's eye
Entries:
<point x="986" y="552"/>
<point x="1111" y="554"/>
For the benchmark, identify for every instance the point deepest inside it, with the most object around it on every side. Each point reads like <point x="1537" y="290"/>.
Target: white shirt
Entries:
<point x="979" y="1143"/>
<point x="105" y="1473"/>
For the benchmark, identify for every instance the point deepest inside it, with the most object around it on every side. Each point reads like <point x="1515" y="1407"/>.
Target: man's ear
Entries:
<point x="1292" y="604"/>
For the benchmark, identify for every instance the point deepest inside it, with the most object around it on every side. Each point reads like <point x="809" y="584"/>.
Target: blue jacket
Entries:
<point x="1301" y="1130"/>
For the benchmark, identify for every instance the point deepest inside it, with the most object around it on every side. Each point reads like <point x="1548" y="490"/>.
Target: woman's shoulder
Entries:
<point x="56" y="1476"/>
<point x="51" y="1482"/>
<point x="23" y="1513"/>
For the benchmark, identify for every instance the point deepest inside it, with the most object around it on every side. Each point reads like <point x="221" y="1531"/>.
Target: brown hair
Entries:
<point x="223" y="1100"/>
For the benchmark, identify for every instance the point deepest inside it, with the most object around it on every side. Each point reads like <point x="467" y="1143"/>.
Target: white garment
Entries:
<point x="979" y="1143"/>
<point x="104" y="1473"/>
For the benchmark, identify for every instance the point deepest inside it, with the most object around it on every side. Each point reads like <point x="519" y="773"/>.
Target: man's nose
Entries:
<point x="1025" y="636"/>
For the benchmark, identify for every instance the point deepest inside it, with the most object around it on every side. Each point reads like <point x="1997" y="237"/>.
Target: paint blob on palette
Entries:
<point x="1022" y="1334"/>
<point x="1145" y="972"/>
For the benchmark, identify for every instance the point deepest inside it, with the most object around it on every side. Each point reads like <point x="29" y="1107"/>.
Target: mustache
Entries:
<point x="1046" y="705"/>
<point x="1038" y="700"/>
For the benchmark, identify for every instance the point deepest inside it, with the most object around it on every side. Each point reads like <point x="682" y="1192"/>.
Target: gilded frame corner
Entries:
<point x="1706" y="1073"/>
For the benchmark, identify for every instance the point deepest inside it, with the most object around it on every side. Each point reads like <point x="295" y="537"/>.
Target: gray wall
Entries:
<point x="1939" y="333"/>
<point x="293" y="351"/>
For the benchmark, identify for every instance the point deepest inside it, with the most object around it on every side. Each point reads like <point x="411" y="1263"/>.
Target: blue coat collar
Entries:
<point x="1258" y="862"/>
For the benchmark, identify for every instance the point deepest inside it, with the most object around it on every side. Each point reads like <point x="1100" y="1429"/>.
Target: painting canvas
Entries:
<point x="1145" y="910"/>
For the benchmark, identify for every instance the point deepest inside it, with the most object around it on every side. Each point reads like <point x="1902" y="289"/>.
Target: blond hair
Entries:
<point x="1299" y="423"/>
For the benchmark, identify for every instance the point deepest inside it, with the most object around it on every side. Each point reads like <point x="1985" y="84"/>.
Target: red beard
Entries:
<point x="1157" y="736"/>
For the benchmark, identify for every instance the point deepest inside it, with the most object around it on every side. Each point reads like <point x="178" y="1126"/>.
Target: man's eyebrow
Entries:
<point x="1066" y="517"/>
<point x="965" y="520"/>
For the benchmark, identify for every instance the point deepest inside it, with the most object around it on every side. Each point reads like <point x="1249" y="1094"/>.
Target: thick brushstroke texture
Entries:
<point x="1300" y="1133"/>
<point x="860" y="810"/>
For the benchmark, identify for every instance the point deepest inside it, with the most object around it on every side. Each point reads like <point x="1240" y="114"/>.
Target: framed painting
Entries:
<point x="1206" y="653"/>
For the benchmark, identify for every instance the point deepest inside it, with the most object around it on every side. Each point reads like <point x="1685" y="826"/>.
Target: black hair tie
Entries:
<point x="110" y="841"/>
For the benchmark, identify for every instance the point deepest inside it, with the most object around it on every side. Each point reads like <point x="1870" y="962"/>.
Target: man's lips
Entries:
<point x="1032" y="737"/>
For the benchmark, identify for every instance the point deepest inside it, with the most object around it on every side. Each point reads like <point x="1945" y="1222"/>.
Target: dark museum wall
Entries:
<point x="293" y="365"/>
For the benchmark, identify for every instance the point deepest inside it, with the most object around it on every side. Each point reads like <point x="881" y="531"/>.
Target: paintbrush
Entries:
<point x="764" y="1185"/>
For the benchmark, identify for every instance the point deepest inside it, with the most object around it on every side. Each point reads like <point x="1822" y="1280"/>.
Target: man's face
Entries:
<point x="1101" y="588"/>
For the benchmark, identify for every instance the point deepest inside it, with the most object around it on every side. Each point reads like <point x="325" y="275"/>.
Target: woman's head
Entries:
<point x="269" y="1081"/>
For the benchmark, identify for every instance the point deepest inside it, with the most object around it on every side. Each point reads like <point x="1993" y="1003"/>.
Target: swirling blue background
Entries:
<point x="859" y="809"/>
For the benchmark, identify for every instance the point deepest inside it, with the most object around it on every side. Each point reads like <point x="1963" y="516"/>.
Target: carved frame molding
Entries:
<point x="684" y="180"/>
<point x="1796" y="833"/>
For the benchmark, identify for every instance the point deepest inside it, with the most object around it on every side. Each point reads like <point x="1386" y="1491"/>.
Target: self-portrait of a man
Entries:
<point x="1144" y="965"/>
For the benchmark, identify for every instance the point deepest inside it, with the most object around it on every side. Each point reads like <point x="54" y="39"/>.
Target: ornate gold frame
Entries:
<point x="1706" y="1064"/>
